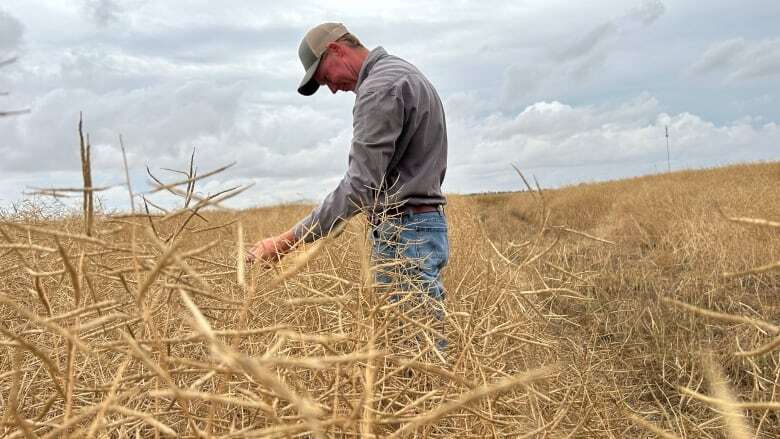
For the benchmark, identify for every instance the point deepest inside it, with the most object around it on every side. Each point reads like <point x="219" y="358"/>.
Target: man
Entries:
<point x="397" y="160"/>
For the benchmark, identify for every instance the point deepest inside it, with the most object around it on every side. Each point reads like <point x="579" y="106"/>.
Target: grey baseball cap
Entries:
<point x="313" y="45"/>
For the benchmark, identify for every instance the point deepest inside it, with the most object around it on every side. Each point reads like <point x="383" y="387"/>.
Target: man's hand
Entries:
<point x="271" y="249"/>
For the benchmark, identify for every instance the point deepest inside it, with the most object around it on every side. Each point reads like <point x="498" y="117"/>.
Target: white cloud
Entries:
<point x="563" y="144"/>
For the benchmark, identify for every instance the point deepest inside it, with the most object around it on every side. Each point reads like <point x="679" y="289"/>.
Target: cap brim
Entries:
<point x="308" y="85"/>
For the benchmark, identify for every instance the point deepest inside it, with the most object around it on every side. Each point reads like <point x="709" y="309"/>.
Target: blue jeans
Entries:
<point x="418" y="244"/>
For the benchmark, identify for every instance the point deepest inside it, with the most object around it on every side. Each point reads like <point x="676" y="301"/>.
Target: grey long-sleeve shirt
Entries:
<point x="399" y="146"/>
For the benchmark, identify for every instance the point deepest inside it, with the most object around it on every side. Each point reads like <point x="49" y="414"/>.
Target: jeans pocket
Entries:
<point x="431" y="250"/>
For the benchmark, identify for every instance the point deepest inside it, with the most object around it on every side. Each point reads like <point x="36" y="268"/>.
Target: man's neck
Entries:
<point x="356" y="62"/>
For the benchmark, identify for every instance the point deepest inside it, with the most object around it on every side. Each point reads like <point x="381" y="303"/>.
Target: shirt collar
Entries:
<point x="373" y="56"/>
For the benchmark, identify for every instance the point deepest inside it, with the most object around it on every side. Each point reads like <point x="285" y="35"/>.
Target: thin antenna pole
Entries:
<point x="668" y="151"/>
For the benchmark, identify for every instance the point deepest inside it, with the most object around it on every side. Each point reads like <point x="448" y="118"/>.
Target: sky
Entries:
<point x="568" y="94"/>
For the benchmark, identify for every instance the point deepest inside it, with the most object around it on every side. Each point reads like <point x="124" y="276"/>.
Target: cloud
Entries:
<point x="577" y="58"/>
<point x="645" y="13"/>
<point x="520" y="81"/>
<point x="553" y="88"/>
<point x="557" y="142"/>
<point x="103" y="12"/>
<point x="642" y="15"/>
<point x="11" y="31"/>
<point x="739" y="59"/>
<point x="718" y="56"/>
<point x="168" y="118"/>
<point x="564" y="144"/>
<point x="289" y="148"/>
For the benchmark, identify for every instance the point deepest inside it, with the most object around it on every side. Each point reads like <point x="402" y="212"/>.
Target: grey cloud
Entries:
<point x="718" y="56"/>
<point x="739" y="59"/>
<point x="520" y="81"/>
<point x="642" y="15"/>
<point x="11" y="31"/>
<point x="588" y="42"/>
<point x="102" y="69"/>
<point x="761" y="61"/>
<point x="588" y="65"/>
<point x="578" y="60"/>
<point x="103" y="12"/>
<point x="645" y="13"/>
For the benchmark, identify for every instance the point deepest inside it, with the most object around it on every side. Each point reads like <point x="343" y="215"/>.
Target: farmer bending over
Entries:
<point x="396" y="163"/>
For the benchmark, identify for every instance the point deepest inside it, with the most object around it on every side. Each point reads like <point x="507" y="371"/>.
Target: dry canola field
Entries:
<point x="647" y="307"/>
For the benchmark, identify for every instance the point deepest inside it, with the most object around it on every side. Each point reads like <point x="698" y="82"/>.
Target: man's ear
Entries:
<point x="336" y="48"/>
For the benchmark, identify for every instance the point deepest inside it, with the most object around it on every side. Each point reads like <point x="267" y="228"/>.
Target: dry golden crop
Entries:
<point x="633" y="308"/>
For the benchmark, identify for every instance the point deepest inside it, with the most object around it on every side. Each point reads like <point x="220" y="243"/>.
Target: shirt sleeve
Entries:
<point x="377" y="124"/>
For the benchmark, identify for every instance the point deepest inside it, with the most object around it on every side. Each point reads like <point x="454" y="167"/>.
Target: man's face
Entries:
<point x="334" y="70"/>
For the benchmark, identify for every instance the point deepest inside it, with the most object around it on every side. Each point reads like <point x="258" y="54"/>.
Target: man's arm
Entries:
<point x="377" y="124"/>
